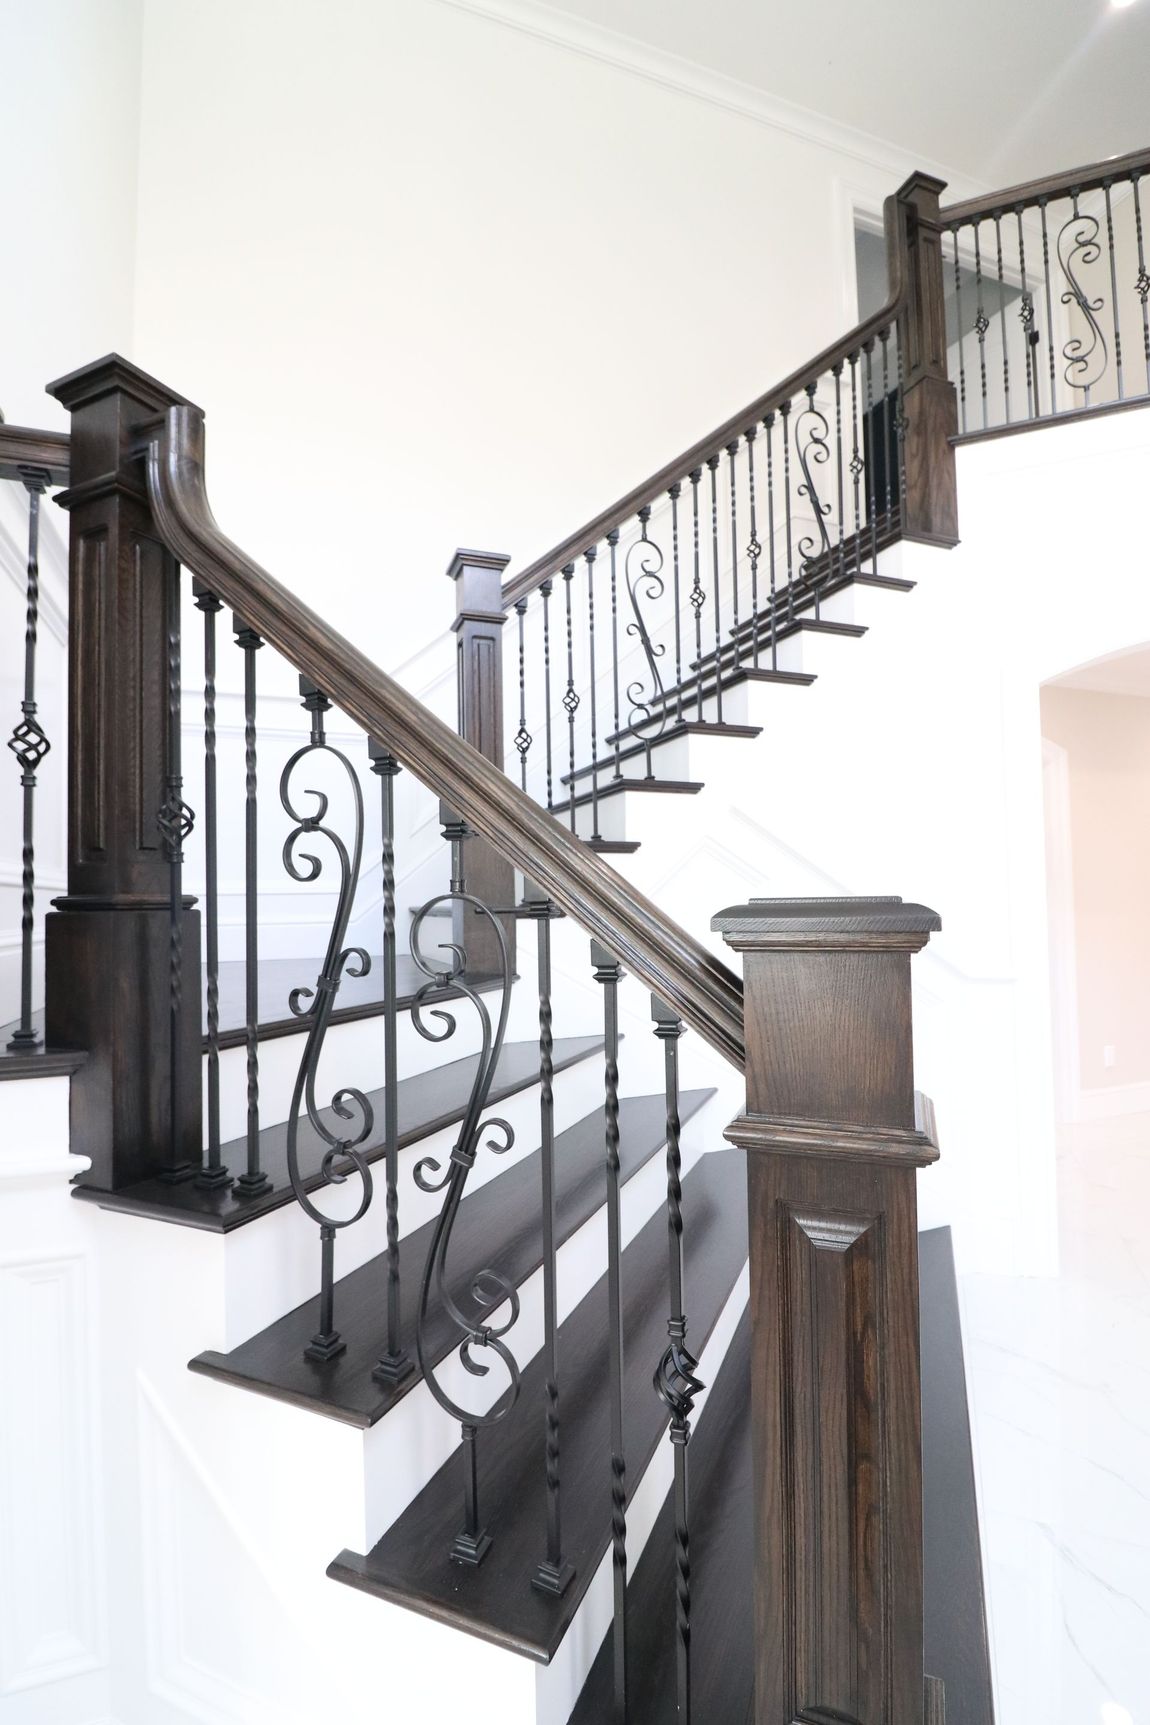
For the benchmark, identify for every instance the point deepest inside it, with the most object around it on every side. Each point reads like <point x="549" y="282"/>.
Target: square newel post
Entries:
<point x="930" y="409"/>
<point x="109" y="941"/>
<point x="833" y="1148"/>
<point x="478" y="626"/>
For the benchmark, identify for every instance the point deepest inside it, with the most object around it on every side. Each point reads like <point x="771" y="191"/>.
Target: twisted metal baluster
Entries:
<point x="613" y="546"/>
<point x="589" y="557"/>
<point x="175" y="821"/>
<point x="522" y="738"/>
<point x="339" y="959"/>
<point x="253" y="1182"/>
<point x="1002" y="315"/>
<point x="554" y="1573"/>
<point x="785" y="412"/>
<point x="961" y="330"/>
<point x="394" y="1364"/>
<point x="675" y="492"/>
<point x="545" y="591"/>
<point x="570" y="698"/>
<point x="769" y="427"/>
<point x="489" y="1289"/>
<point x="981" y="322"/>
<point x="837" y="374"/>
<point x="1049" y="304"/>
<point x="213" y="1175"/>
<point x="754" y="548"/>
<point x="869" y="423"/>
<point x="1142" y="284"/>
<point x="885" y="421"/>
<point x="713" y="466"/>
<point x="608" y="973"/>
<point x="732" y="453"/>
<point x="1114" y="290"/>
<point x="29" y="744"/>
<point x="646" y="709"/>
<point x="675" y="1379"/>
<point x="697" y="597"/>
<point x="1026" y="318"/>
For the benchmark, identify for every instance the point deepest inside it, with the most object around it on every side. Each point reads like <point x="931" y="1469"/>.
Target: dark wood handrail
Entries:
<point x="521" y="585"/>
<point x="24" y="450"/>
<point x="646" y="941"/>
<point x="1087" y="179"/>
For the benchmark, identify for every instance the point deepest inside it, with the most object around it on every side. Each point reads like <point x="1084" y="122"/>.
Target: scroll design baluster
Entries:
<point x="642" y="570"/>
<point x="348" y="1103"/>
<point x="676" y="1382"/>
<point x="29" y="744"/>
<point x="489" y="1290"/>
<point x="1078" y="248"/>
<point x="811" y="433"/>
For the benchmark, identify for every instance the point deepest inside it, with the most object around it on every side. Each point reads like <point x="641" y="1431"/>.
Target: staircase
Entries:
<point x="622" y="1380"/>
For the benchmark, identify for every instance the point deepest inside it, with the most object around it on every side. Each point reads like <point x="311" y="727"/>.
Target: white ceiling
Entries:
<point x="1000" y="90"/>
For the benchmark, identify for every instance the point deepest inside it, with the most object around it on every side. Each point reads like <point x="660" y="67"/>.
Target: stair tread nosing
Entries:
<point x="428" y="1101"/>
<point x="411" y="1565"/>
<point x="499" y="1224"/>
<point x="722" y="1553"/>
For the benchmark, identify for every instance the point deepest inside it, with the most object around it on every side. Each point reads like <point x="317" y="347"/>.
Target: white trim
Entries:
<point x="613" y="48"/>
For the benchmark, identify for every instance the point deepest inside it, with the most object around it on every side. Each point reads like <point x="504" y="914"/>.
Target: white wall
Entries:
<point x="439" y="281"/>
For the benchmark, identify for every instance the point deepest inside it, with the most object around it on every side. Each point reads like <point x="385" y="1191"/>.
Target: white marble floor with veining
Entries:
<point x="1059" y="1378"/>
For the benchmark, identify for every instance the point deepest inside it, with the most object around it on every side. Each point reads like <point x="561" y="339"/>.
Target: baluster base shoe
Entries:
<point x="392" y="1369"/>
<point x="553" y="1579"/>
<point x="251" y="1185"/>
<point x="213" y="1179"/>
<point x="470" y="1548"/>
<point x="325" y="1347"/>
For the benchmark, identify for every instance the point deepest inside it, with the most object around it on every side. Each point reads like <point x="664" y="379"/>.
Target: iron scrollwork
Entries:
<point x="476" y="1331"/>
<point x="811" y="434"/>
<point x="342" y="1150"/>
<point x="642" y="570"/>
<point x="1082" y="250"/>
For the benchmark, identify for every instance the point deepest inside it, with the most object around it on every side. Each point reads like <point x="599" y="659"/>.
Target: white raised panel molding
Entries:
<point x="51" y="1579"/>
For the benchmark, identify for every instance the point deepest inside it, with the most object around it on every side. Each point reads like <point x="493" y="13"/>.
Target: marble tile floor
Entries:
<point x="1059" y="1378"/>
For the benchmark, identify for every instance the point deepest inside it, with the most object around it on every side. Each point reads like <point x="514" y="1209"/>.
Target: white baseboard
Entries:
<point x="1104" y="1102"/>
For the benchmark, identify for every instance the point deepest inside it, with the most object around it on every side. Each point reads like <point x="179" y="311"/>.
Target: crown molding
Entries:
<point x="613" y="48"/>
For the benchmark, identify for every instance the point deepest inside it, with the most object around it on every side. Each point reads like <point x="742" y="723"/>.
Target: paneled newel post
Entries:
<point x="480" y="616"/>
<point x="109" y="943"/>
<point x="929" y="405"/>
<point x="834" y="1140"/>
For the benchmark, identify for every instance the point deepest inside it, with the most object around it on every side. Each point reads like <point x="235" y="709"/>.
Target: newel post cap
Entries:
<point x="478" y="576"/>
<point x="826" y="924"/>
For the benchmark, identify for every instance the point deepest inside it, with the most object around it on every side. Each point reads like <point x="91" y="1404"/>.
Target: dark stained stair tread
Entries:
<point x="613" y="847"/>
<point x="499" y="1224"/>
<point x="616" y="787"/>
<point x="684" y="727"/>
<point x="427" y="1101"/>
<point x="411" y="1564"/>
<point x="722" y="1552"/>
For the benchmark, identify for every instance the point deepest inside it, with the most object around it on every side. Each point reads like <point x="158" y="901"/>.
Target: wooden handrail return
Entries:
<point x="24" y="451"/>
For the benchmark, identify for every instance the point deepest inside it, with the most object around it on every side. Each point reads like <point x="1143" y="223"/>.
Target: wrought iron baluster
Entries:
<point x="394" y="1363"/>
<point x="1002" y="315"/>
<point x="253" y="1182"/>
<point x="754" y="548"/>
<point x="698" y="597"/>
<point x="545" y="588"/>
<point x="1116" y="320"/>
<point x="554" y="1572"/>
<point x="675" y="1379"/>
<point x="1049" y="304"/>
<point x="732" y="453"/>
<point x="613" y="544"/>
<point x="961" y="328"/>
<point x="609" y="973"/>
<point x="175" y="821"/>
<point x="856" y="463"/>
<point x="900" y="425"/>
<point x="811" y="449"/>
<point x="213" y="1174"/>
<point x="1142" y="284"/>
<point x="570" y="698"/>
<point x="522" y="738"/>
<point x="647" y="719"/>
<point x="589" y="557"/>
<point x="871" y="458"/>
<point x="713" y="466"/>
<point x="340" y="1150"/>
<point x="884" y="338"/>
<point x="785" y="413"/>
<point x="981" y="322"/>
<point x="837" y="374"/>
<point x="769" y="427"/>
<point x="674" y="494"/>
<point x="29" y="744"/>
<point x="488" y="1289"/>
<point x="1026" y="318"/>
<point x="1083" y="251"/>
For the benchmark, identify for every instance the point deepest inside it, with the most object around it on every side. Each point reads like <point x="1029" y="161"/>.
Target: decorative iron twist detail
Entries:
<point x="642" y="571"/>
<point x="176" y="822"/>
<point x="489" y="1289"/>
<point x="1026" y="311"/>
<point x="981" y="324"/>
<point x="348" y="1104"/>
<point x="28" y="742"/>
<point x="677" y="1386"/>
<point x="1083" y="250"/>
<point x="1142" y="285"/>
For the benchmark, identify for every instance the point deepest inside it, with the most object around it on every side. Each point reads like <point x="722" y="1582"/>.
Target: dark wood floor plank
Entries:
<point x="411" y="1565"/>
<point x="499" y="1225"/>
<point x="722" y="1606"/>
<point x="427" y="1101"/>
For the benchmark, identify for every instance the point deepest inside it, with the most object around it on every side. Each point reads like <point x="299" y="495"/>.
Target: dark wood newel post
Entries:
<point x="478" y="626"/>
<point x="930" y="407"/>
<point x="108" y="939"/>
<point x="834" y="1140"/>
